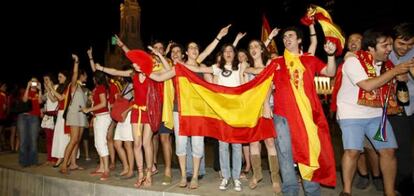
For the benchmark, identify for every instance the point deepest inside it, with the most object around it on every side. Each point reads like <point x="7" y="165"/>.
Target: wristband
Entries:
<point x="218" y="39"/>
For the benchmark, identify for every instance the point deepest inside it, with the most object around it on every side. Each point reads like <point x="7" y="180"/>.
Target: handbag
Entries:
<point x="121" y="107"/>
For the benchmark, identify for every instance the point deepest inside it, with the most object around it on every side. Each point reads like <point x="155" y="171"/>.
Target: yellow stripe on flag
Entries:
<point x="237" y="110"/>
<point x="305" y="109"/>
<point x="168" y="104"/>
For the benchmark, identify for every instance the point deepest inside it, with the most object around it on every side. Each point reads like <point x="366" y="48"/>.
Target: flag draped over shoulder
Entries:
<point x="230" y="114"/>
<point x="265" y="35"/>
<point x="332" y="32"/>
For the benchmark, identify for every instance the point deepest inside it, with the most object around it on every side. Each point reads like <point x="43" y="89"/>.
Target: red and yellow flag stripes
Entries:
<point x="230" y="114"/>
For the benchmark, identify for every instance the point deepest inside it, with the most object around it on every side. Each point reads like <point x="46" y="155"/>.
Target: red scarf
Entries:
<point x="376" y="98"/>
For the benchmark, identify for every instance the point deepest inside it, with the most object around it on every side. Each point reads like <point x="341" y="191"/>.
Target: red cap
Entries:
<point x="142" y="59"/>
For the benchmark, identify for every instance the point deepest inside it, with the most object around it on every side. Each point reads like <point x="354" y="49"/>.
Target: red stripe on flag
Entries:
<point x="181" y="70"/>
<point x="210" y="127"/>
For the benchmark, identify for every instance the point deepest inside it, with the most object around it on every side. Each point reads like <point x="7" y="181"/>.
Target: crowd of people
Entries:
<point x="366" y="78"/>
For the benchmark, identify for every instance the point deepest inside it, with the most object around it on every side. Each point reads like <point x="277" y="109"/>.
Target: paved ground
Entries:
<point x="208" y="185"/>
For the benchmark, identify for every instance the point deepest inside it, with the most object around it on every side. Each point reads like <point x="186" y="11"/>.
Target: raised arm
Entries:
<point x="91" y="62"/>
<point x="272" y="35"/>
<point x="114" y="72"/>
<point x="330" y="68"/>
<point x="239" y="36"/>
<point x="199" y="69"/>
<point x="164" y="61"/>
<point x="203" y="55"/>
<point x="75" y="72"/>
<point x="162" y="76"/>
<point x="313" y="39"/>
<point x="121" y="44"/>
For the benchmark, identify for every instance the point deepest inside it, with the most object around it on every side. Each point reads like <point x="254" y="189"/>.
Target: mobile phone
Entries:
<point x="34" y="83"/>
<point x="113" y="40"/>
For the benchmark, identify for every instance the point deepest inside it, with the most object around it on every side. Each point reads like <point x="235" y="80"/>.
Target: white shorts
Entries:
<point x="123" y="130"/>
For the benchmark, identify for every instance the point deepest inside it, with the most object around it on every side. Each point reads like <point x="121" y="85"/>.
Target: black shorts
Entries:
<point x="164" y="130"/>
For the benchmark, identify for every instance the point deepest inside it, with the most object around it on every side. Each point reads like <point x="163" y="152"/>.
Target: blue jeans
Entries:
<point x="225" y="160"/>
<point x="28" y="126"/>
<point x="290" y="185"/>
<point x="189" y="162"/>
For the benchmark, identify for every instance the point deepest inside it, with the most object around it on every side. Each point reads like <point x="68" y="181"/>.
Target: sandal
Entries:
<point x="139" y="182"/>
<point x="147" y="182"/>
<point x="167" y="180"/>
<point x="64" y="171"/>
<point x="183" y="182"/>
<point x="194" y="183"/>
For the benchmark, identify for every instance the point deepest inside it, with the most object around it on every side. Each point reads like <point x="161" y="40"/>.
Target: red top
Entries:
<point x="140" y="90"/>
<point x="113" y="91"/>
<point x="34" y="97"/>
<point x="99" y="89"/>
<point x="3" y="105"/>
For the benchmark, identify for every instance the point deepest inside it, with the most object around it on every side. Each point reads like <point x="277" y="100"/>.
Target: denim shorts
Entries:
<point x="164" y="130"/>
<point x="354" y="131"/>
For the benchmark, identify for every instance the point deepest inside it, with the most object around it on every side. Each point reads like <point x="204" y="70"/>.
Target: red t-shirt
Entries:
<point x="113" y="91"/>
<point x="3" y="105"/>
<point x="99" y="89"/>
<point x="34" y="97"/>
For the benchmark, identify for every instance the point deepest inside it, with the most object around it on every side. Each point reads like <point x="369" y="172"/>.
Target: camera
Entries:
<point x="34" y="83"/>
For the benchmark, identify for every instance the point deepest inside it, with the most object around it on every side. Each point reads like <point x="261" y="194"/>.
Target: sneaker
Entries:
<point x="237" y="185"/>
<point x="224" y="184"/>
<point x="379" y="185"/>
<point x="362" y="182"/>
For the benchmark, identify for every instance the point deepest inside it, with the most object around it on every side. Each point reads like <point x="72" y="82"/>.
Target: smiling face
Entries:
<point x="403" y="46"/>
<point x="354" y="42"/>
<point x="192" y="51"/>
<point x="177" y="54"/>
<point x="159" y="47"/>
<point x="382" y="49"/>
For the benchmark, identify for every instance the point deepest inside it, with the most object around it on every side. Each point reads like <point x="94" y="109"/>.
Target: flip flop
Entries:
<point x="77" y="168"/>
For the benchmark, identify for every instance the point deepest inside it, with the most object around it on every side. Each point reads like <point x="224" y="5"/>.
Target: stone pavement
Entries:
<point x="46" y="180"/>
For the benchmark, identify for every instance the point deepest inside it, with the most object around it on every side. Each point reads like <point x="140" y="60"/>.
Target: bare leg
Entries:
<point x="373" y="160"/>
<point x="349" y="164"/>
<point x="149" y="153"/>
<point x="110" y="140"/>
<point x="155" y="144"/>
<point x="121" y="153"/>
<point x="74" y="136"/>
<point x="130" y="157"/>
<point x="137" y="134"/>
<point x="388" y="164"/>
<point x="167" y="152"/>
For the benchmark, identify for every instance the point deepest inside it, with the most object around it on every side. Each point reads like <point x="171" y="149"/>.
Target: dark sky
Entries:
<point x="40" y="36"/>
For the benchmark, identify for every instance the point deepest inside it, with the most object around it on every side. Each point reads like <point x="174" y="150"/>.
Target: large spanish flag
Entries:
<point x="332" y="32"/>
<point x="230" y="114"/>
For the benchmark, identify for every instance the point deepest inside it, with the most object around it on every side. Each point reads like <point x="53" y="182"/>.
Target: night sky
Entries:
<point x="41" y="35"/>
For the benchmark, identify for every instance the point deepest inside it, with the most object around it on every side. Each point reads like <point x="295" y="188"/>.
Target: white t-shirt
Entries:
<point x="229" y="78"/>
<point x="348" y="108"/>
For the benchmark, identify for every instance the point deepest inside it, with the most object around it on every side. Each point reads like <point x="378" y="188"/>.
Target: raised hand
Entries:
<point x="329" y="48"/>
<point x="223" y="32"/>
<point x="118" y="41"/>
<point x="274" y="32"/>
<point x="75" y="58"/>
<point x="89" y="51"/>
<point x="240" y="35"/>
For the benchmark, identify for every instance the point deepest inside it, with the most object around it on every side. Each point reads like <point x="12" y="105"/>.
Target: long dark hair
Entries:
<point x="61" y="87"/>
<point x="101" y="79"/>
<point x="265" y="52"/>
<point x="235" y="62"/>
